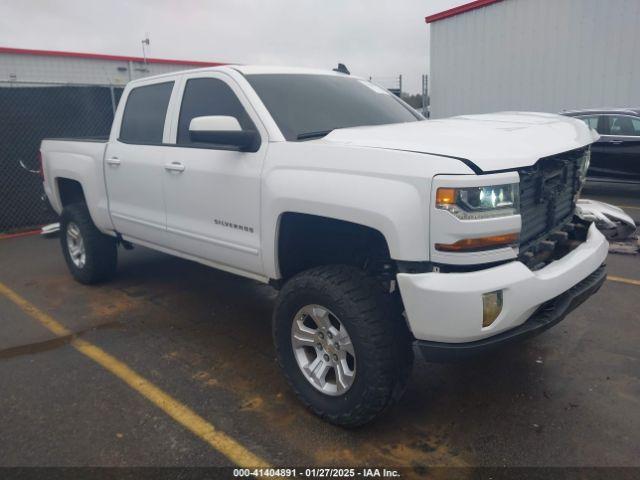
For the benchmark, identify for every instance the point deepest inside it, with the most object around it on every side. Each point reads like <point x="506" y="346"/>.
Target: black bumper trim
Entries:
<point x="546" y="316"/>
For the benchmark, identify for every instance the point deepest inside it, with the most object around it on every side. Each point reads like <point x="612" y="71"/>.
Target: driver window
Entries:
<point x="624" y="126"/>
<point x="208" y="96"/>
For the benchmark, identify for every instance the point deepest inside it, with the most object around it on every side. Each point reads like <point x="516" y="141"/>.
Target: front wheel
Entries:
<point x="91" y="256"/>
<point x="344" y="349"/>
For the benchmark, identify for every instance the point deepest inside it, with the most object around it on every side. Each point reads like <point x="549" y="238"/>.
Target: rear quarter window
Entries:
<point x="591" y="120"/>
<point x="145" y="113"/>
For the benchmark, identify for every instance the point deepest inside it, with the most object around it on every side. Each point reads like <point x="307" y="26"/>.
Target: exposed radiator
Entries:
<point x="547" y="198"/>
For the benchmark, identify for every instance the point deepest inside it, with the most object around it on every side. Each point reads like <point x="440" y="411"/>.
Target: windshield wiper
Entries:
<point x="309" y="135"/>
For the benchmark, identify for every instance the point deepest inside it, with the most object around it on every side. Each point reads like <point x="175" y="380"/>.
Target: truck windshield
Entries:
<point x="307" y="106"/>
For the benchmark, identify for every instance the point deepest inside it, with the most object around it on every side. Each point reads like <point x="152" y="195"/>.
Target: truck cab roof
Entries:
<point x="246" y="70"/>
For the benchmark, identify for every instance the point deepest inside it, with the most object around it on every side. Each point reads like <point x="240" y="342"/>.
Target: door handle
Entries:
<point x="114" y="161"/>
<point x="174" y="167"/>
<point x="615" y="142"/>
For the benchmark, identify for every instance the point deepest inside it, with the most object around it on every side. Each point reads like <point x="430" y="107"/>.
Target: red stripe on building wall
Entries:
<point x="99" y="56"/>
<point x="467" y="7"/>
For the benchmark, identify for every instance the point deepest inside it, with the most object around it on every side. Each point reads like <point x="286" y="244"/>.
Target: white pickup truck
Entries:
<point x="381" y="230"/>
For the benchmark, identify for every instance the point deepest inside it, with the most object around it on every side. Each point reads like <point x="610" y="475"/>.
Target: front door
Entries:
<point x="134" y="162"/>
<point x="212" y="192"/>
<point x="621" y="143"/>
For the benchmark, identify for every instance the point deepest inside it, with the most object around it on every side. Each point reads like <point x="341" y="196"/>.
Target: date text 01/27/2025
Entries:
<point x="317" y="472"/>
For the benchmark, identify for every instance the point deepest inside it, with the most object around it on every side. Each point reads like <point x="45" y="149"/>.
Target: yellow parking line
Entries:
<point x="182" y="414"/>
<point x="633" y="207"/>
<point x="629" y="281"/>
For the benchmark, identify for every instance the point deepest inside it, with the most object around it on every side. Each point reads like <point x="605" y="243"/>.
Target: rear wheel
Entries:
<point x="342" y="346"/>
<point x="91" y="256"/>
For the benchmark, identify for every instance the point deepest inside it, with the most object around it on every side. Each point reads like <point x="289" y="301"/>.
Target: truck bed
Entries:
<point x="79" y="160"/>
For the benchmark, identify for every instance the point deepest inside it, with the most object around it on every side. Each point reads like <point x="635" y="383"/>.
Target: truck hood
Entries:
<point x="497" y="141"/>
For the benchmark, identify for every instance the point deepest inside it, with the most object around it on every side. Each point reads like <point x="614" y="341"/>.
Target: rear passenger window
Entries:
<point x="144" y="113"/>
<point x="209" y="96"/>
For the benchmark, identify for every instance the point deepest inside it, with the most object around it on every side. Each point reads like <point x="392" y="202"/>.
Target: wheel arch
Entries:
<point x="69" y="191"/>
<point x="306" y="240"/>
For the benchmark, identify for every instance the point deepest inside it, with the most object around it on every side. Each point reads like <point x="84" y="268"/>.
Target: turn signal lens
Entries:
<point x="479" y="244"/>
<point x="446" y="196"/>
<point x="491" y="307"/>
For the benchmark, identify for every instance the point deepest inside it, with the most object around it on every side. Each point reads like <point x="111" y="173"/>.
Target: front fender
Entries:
<point x="393" y="207"/>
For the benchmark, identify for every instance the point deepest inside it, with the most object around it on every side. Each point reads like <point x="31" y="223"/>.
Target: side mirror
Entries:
<point x="223" y="130"/>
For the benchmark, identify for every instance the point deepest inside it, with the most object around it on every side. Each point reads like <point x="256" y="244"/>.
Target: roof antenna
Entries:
<point x="342" y="69"/>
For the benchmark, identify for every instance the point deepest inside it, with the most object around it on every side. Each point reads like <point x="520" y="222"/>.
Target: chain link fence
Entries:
<point x="29" y="113"/>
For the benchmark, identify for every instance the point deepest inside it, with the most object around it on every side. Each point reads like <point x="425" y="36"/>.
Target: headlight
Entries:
<point x="476" y="203"/>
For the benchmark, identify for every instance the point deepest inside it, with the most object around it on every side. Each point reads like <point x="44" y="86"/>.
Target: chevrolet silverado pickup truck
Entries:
<point x="381" y="230"/>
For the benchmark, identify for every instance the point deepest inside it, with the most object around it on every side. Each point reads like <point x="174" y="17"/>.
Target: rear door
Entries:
<point x="212" y="192"/>
<point x="134" y="163"/>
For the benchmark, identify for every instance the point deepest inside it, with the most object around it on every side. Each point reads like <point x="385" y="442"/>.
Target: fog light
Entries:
<point x="491" y="307"/>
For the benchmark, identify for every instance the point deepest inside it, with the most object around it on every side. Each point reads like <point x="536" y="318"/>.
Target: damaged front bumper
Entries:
<point x="612" y="221"/>
<point x="546" y="316"/>
<point x="445" y="310"/>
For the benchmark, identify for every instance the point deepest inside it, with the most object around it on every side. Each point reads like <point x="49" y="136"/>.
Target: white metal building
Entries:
<point x="19" y="66"/>
<point x="536" y="55"/>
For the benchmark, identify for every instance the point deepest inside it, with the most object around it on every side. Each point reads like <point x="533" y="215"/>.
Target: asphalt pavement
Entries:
<point x="172" y="364"/>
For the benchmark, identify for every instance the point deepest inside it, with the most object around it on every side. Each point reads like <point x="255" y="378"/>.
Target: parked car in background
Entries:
<point x="616" y="156"/>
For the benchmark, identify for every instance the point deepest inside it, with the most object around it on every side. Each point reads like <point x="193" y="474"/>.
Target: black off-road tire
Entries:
<point x="380" y="337"/>
<point x="100" y="249"/>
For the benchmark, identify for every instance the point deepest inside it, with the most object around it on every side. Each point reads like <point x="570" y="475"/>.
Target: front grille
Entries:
<point x="547" y="196"/>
